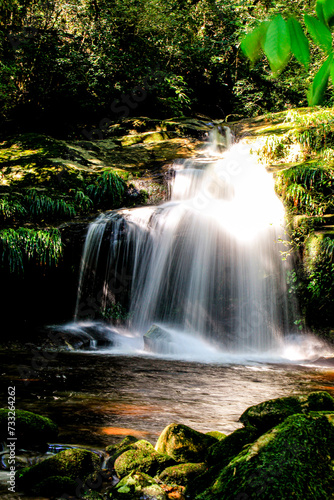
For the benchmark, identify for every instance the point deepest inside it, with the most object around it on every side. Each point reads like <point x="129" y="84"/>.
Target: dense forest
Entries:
<point x="68" y="65"/>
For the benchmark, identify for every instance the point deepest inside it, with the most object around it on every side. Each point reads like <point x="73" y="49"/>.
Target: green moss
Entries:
<point x="270" y="413"/>
<point x="216" y="434"/>
<point x="182" y="474"/>
<point x="31" y="429"/>
<point x="73" y="464"/>
<point x="115" y="450"/>
<point x="137" y="485"/>
<point x="184" y="444"/>
<point x="221" y="453"/>
<point x="293" y="460"/>
<point x="55" y="486"/>
<point x="142" y="457"/>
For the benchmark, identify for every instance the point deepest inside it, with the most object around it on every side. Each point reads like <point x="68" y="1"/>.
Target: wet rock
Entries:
<point x="142" y="457"/>
<point x="138" y="486"/>
<point x="115" y="450"/>
<point x="221" y="452"/>
<point x="159" y="340"/>
<point x="184" y="444"/>
<point x="216" y="434"/>
<point x="182" y="474"/>
<point x="293" y="460"/>
<point x="270" y="413"/>
<point x="31" y="430"/>
<point x="55" y="486"/>
<point x="73" y="464"/>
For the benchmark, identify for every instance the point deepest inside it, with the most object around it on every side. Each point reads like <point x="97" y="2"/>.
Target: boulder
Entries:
<point x="293" y="460"/>
<point x="159" y="340"/>
<point x="115" y="450"/>
<point x="137" y="486"/>
<point x="221" y="452"/>
<point x="55" y="486"/>
<point x="216" y="434"/>
<point x="182" y="474"/>
<point x="142" y="457"/>
<point x="72" y="464"/>
<point x="268" y="414"/>
<point x="31" y="430"/>
<point x="184" y="444"/>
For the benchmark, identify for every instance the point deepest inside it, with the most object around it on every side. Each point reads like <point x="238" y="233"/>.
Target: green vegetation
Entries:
<point x="22" y="246"/>
<point x="278" y="39"/>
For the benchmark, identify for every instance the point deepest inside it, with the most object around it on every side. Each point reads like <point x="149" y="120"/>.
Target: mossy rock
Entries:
<point x="115" y="450"/>
<point x="31" y="430"/>
<point x="184" y="444"/>
<point x="73" y="464"/>
<point x="55" y="486"/>
<point x="268" y="414"/>
<point x="216" y="434"/>
<point x="222" y="452"/>
<point x="142" y="457"/>
<point x="293" y="460"/>
<point x="137" y="485"/>
<point x="182" y="474"/>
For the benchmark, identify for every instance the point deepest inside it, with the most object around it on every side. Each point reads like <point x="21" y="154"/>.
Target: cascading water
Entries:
<point x="204" y="265"/>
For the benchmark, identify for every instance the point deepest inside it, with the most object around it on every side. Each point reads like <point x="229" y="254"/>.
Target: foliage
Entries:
<point x="21" y="246"/>
<point x="41" y="204"/>
<point x="10" y="209"/>
<point x="108" y="188"/>
<point x="307" y="188"/>
<point x="278" y="39"/>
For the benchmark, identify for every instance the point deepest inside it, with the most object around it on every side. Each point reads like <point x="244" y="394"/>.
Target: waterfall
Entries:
<point x="206" y="263"/>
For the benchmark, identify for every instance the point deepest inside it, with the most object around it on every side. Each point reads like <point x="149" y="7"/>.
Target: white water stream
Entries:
<point x="205" y="266"/>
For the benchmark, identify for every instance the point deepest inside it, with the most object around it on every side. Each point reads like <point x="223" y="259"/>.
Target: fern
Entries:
<point x="10" y="208"/>
<point x="17" y="247"/>
<point x="83" y="201"/>
<point x="328" y="247"/>
<point x="109" y="187"/>
<point x="41" y="204"/>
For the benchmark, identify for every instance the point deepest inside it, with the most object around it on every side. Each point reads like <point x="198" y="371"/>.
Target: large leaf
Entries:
<point x="253" y="42"/>
<point x="319" y="32"/>
<point x="316" y="92"/>
<point x="277" y="44"/>
<point x="299" y="43"/>
<point x="320" y="11"/>
<point x="328" y="10"/>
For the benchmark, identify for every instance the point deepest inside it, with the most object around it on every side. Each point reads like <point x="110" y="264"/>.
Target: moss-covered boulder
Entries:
<point x="182" y="474"/>
<point x="221" y="452"/>
<point x="217" y="435"/>
<point x="115" y="450"/>
<point x="31" y="430"/>
<point x="268" y="414"/>
<point x="184" y="444"/>
<point x="293" y="460"/>
<point x="55" y="486"/>
<point x="137" y="485"/>
<point x="73" y="464"/>
<point x="142" y="457"/>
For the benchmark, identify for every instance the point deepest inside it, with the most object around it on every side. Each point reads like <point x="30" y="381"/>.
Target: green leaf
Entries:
<point x="316" y="92"/>
<point x="299" y="43"/>
<point x="319" y="32"/>
<point x="252" y="44"/>
<point x="328" y="10"/>
<point x="320" y="11"/>
<point x="277" y="44"/>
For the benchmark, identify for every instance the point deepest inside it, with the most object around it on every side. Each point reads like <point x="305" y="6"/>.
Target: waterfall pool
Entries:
<point x="96" y="398"/>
